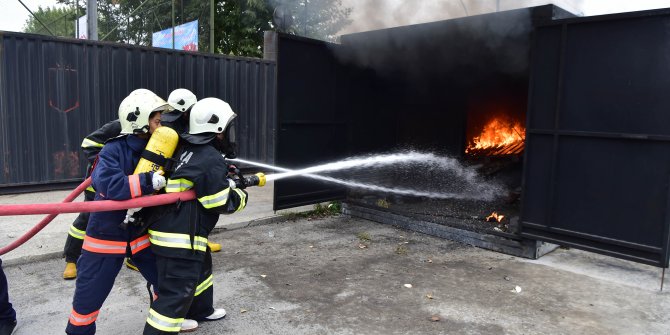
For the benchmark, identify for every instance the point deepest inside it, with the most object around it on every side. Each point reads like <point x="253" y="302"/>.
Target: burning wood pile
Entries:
<point x="495" y="217"/>
<point x="499" y="222"/>
<point x="498" y="138"/>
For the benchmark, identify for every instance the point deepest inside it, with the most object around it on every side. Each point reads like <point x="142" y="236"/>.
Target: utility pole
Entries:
<point x="92" y="18"/>
<point x="211" y="26"/>
<point x="172" y="1"/>
<point x="76" y="19"/>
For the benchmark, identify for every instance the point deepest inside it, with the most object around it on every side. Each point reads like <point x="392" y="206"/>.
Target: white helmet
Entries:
<point x="141" y="91"/>
<point x="210" y="115"/>
<point x="136" y="108"/>
<point x="182" y="99"/>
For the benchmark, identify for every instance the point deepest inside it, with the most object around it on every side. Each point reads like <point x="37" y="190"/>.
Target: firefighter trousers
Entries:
<point x="96" y="275"/>
<point x="7" y="313"/>
<point x="185" y="290"/>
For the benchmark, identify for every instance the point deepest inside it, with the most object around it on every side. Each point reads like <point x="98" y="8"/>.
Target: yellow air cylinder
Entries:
<point x="163" y="142"/>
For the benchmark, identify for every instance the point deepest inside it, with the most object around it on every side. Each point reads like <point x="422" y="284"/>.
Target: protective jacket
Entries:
<point x="107" y="242"/>
<point x="91" y="146"/>
<point x="179" y="238"/>
<point x="183" y="228"/>
<point x="113" y="180"/>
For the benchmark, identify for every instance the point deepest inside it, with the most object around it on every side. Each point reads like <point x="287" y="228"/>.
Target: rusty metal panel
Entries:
<point x="55" y="91"/>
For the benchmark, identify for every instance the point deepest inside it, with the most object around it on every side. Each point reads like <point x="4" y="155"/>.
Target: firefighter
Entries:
<point x="91" y="145"/>
<point x="109" y="238"/>
<point x="179" y="237"/>
<point x="182" y="100"/>
<point x="7" y="312"/>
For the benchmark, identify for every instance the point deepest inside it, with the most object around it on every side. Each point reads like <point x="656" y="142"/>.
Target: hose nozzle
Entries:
<point x="256" y="180"/>
<point x="261" y="179"/>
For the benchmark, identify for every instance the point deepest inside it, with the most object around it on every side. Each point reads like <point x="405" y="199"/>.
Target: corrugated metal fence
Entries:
<point x="53" y="92"/>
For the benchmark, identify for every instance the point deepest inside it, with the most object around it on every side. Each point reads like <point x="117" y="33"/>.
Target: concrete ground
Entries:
<point x="342" y="275"/>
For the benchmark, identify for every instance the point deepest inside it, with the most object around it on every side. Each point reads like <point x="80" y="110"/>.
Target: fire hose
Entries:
<point x="39" y="226"/>
<point x="67" y="206"/>
<point x="161" y="145"/>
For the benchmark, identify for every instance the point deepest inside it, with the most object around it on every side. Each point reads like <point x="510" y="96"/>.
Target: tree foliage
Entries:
<point x="238" y="24"/>
<point x="319" y="19"/>
<point x="58" y="20"/>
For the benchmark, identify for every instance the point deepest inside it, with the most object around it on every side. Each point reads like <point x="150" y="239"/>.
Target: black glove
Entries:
<point x="233" y="170"/>
<point x="133" y="218"/>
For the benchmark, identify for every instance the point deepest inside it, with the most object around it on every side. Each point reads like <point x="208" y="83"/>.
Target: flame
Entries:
<point x="499" y="133"/>
<point x="495" y="216"/>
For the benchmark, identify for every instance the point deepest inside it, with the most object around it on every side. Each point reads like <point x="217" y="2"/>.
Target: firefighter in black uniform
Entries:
<point x="182" y="100"/>
<point x="179" y="237"/>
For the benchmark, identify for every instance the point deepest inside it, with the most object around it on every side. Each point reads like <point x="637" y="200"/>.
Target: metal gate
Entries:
<point x="311" y="126"/>
<point x="597" y="165"/>
<point x="55" y="91"/>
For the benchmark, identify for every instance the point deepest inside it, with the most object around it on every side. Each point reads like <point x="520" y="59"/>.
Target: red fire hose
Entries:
<point x="67" y="206"/>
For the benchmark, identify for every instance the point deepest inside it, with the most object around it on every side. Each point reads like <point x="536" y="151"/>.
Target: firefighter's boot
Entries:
<point x="218" y="314"/>
<point x="70" y="271"/>
<point x="214" y="247"/>
<point x="188" y="325"/>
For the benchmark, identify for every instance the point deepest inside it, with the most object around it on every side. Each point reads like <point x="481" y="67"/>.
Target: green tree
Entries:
<point x="109" y="17"/>
<point x="319" y="19"/>
<point x="139" y="19"/>
<point x="239" y="27"/>
<point x="59" y="20"/>
<point x="238" y="24"/>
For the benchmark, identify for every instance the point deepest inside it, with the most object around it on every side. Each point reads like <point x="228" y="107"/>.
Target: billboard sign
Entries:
<point x="81" y="28"/>
<point x="185" y="37"/>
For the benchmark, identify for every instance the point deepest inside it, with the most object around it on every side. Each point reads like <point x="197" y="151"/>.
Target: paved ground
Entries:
<point x="323" y="277"/>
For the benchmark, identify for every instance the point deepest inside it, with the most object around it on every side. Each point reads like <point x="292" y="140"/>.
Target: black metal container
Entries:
<point x="55" y="91"/>
<point x="595" y="170"/>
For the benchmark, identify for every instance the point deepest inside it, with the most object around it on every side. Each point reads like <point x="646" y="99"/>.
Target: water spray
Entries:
<point x="379" y="161"/>
<point x="357" y="162"/>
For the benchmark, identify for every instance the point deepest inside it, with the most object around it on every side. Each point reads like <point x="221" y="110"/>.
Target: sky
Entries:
<point x="13" y="15"/>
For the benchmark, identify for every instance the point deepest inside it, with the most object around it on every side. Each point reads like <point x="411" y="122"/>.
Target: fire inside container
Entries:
<point x="574" y="104"/>
<point x="456" y="88"/>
